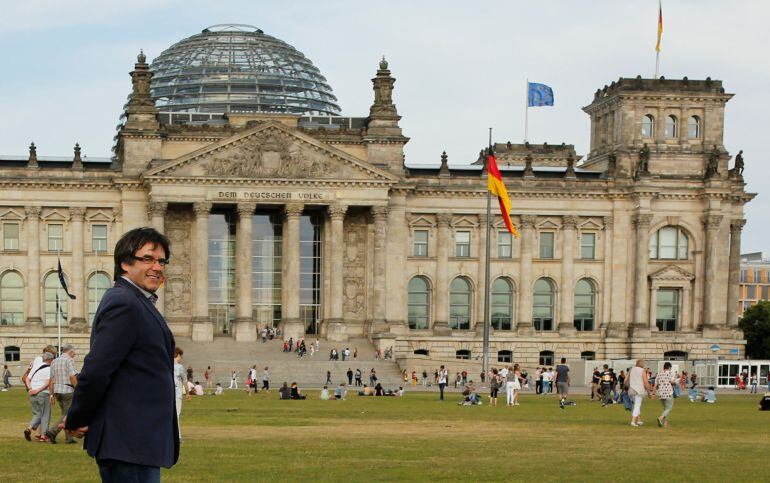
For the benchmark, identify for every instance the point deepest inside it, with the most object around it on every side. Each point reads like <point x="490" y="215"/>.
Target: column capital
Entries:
<point x="609" y="222"/>
<point x="444" y="219"/>
<point x="246" y="209"/>
<point x="157" y="208"/>
<point x="569" y="222"/>
<point x="32" y="211"/>
<point x="737" y="225"/>
<point x="202" y="208"/>
<point x="293" y="210"/>
<point x="380" y="212"/>
<point x="337" y="211"/>
<point x="77" y="213"/>
<point x="117" y="215"/>
<point x="712" y="222"/>
<point x="643" y="220"/>
<point x="483" y="218"/>
<point x="528" y="221"/>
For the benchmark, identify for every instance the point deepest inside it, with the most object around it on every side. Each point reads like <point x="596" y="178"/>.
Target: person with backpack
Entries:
<point x="40" y="396"/>
<point x="664" y="386"/>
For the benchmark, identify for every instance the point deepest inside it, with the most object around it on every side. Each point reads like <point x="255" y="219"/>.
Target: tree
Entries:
<point x="755" y="325"/>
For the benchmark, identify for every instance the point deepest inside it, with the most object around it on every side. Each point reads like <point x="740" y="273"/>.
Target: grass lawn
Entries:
<point x="236" y="437"/>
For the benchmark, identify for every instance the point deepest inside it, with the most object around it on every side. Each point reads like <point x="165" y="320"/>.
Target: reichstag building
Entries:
<point x="282" y="211"/>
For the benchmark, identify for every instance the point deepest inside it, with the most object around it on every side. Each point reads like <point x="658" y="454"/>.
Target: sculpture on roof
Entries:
<point x="712" y="166"/>
<point x="737" y="170"/>
<point x="643" y="166"/>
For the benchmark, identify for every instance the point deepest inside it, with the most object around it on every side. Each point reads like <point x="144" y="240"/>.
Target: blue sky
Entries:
<point x="460" y="66"/>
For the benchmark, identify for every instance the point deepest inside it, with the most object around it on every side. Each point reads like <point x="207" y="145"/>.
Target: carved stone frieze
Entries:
<point x="355" y="267"/>
<point x="202" y="208"/>
<point x="569" y="222"/>
<point x="178" y="289"/>
<point x="293" y="210"/>
<point x="528" y="221"/>
<point x="270" y="155"/>
<point x="643" y="220"/>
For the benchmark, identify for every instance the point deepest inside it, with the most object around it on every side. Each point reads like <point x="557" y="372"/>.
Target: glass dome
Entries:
<point x="238" y="68"/>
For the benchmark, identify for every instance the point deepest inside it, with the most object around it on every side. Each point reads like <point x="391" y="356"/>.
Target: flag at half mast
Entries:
<point x="496" y="186"/>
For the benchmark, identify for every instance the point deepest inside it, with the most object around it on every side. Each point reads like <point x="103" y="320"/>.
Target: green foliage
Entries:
<point x="755" y="325"/>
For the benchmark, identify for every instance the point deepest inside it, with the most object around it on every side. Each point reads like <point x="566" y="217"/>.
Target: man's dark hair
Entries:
<point x="563" y="360"/>
<point x="132" y="241"/>
<point x="667" y="365"/>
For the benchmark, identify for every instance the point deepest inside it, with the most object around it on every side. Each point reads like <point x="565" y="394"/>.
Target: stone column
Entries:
<point x="653" y="308"/>
<point x="203" y="328"/>
<point x="335" y="326"/>
<point x="607" y="282"/>
<point x="524" y="327"/>
<point x="481" y="274"/>
<point x="734" y="272"/>
<point x="157" y="212"/>
<point x="712" y="223"/>
<point x="441" y="321"/>
<point x="566" y="322"/>
<point x="685" y="316"/>
<point x="380" y="215"/>
<point x="77" y="284"/>
<point x="398" y="234"/>
<point x="292" y="325"/>
<point x="245" y="327"/>
<point x="641" y="325"/>
<point x="33" y="296"/>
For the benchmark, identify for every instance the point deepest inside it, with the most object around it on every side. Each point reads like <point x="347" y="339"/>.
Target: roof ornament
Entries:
<point x="32" y="161"/>
<point x="444" y="170"/>
<point x="383" y="63"/>
<point x="77" y="163"/>
<point x="141" y="58"/>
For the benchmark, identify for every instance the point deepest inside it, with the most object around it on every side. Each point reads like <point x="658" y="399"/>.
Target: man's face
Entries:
<point x="146" y="275"/>
<point x="71" y="354"/>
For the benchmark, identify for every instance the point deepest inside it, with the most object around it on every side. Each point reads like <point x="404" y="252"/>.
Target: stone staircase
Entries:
<point x="224" y="354"/>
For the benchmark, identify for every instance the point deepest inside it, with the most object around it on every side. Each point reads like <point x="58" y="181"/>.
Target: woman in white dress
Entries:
<point x="638" y="386"/>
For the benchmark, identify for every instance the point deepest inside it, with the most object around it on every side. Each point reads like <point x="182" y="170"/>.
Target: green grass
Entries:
<point x="235" y="437"/>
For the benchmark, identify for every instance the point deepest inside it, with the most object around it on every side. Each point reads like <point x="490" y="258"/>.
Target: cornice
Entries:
<point x="158" y="180"/>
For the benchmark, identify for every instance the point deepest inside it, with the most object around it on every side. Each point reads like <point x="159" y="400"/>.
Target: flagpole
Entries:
<point x="58" y="319"/>
<point x="657" y="64"/>
<point x="485" y="358"/>
<point x="526" y="109"/>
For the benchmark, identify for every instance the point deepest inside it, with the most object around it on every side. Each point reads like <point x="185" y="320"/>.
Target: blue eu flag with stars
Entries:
<point x="539" y="95"/>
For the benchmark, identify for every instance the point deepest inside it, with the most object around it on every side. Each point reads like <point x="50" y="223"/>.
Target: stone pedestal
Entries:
<point x="441" y="328"/>
<point x="202" y="329"/>
<point x="293" y="328"/>
<point x="336" y="331"/>
<point x="245" y="330"/>
<point x="640" y="330"/>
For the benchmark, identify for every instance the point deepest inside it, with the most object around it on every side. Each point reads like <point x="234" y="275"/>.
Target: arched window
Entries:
<point x="12" y="353"/>
<point x="588" y="355"/>
<point x="585" y="305"/>
<point x="460" y="297"/>
<point x="52" y="287"/>
<point x="648" y="126"/>
<point x="421" y="352"/>
<point x="98" y="283"/>
<point x="693" y="127"/>
<point x="464" y="354"/>
<point x="675" y="356"/>
<point x="672" y="128"/>
<point x="669" y="243"/>
<point x="542" y="305"/>
<point x="502" y="304"/>
<point x="546" y="358"/>
<point x="11" y="299"/>
<point x="504" y="356"/>
<point x="419" y="303"/>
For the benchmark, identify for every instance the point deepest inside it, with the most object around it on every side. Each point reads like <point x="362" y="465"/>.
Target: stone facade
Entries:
<point x="606" y="224"/>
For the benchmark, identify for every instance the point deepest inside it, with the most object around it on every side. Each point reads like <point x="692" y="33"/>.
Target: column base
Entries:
<point x="378" y="326"/>
<point x="245" y="330"/>
<point x="336" y="330"/>
<point x="78" y="325"/>
<point x="641" y="330"/>
<point x="525" y="329"/>
<point x="567" y="329"/>
<point x="712" y="331"/>
<point x="617" y="330"/>
<point x="33" y="324"/>
<point x="293" y="328"/>
<point x="398" y="327"/>
<point x="202" y="329"/>
<point x="441" y="328"/>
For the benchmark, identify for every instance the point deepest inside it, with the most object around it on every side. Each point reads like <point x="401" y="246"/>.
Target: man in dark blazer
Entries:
<point x="124" y="398"/>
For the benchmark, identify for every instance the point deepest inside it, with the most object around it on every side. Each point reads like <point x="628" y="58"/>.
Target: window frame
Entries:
<point x="95" y="239"/>
<point x="584" y="324"/>
<point x="655" y="248"/>
<point x="12" y="353"/>
<point x="696" y="124"/>
<point x="511" y="294"/>
<point x="544" y="324"/>
<point x="592" y="246"/>
<point x="545" y="247"/>
<point x="7" y="239"/>
<point x="462" y="249"/>
<point x="650" y="121"/>
<point x="671" y="130"/>
<point x="463" y="354"/>
<point x="505" y="356"/>
<point x="588" y="355"/>
<point x="502" y="236"/>
<point x="427" y="293"/>
<point x="5" y="300"/>
<point x="455" y="322"/>
<point x="51" y="238"/>
<point x="417" y="244"/>
<point x="546" y="358"/>
<point x="668" y="324"/>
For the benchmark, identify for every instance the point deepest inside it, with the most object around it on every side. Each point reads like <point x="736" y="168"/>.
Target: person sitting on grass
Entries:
<point x="470" y="397"/>
<point x="368" y="391"/>
<point x="295" y="392"/>
<point x="284" y="392"/>
<point x="400" y="392"/>
<point x="198" y="389"/>
<point x="710" y="396"/>
<point x="340" y="392"/>
<point x="219" y="390"/>
<point x="324" y="396"/>
<point x="378" y="390"/>
<point x="764" y="403"/>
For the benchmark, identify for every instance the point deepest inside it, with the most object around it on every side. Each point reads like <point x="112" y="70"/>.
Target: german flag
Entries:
<point x="497" y="187"/>
<point x="660" y="25"/>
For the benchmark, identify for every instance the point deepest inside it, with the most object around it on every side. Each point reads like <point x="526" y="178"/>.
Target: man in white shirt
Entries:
<point x="442" y="378"/>
<point x="40" y="396"/>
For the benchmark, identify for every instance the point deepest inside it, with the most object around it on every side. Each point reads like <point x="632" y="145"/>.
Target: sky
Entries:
<point x="460" y="66"/>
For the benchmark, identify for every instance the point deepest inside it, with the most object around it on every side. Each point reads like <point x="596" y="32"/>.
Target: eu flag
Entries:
<point x="63" y="282"/>
<point x="539" y="95"/>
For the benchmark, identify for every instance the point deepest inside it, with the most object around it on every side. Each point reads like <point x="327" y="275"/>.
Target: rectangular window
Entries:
<point x="55" y="238"/>
<point x="765" y="293"/>
<point x="463" y="244"/>
<point x="667" y="309"/>
<point x="546" y="245"/>
<point x="11" y="236"/>
<point x="99" y="238"/>
<point x="746" y="305"/>
<point x="744" y="273"/>
<point x="588" y="246"/>
<point x="504" y="244"/>
<point x="420" y="243"/>
<point x="751" y="292"/>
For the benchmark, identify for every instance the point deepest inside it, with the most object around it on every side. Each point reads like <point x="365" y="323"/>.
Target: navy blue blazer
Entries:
<point x="125" y="391"/>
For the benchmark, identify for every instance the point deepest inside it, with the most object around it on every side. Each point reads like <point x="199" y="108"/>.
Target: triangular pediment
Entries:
<point x="420" y="221"/>
<point x="98" y="216"/>
<point x="672" y="272"/>
<point x="11" y="214"/>
<point x="464" y="222"/>
<point x="270" y="151"/>
<point x="589" y="224"/>
<point x="548" y="224"/>
<point x="53" y="215"/>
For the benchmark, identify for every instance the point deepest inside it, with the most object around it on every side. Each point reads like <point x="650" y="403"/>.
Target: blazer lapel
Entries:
<point x="167" y="335"/>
